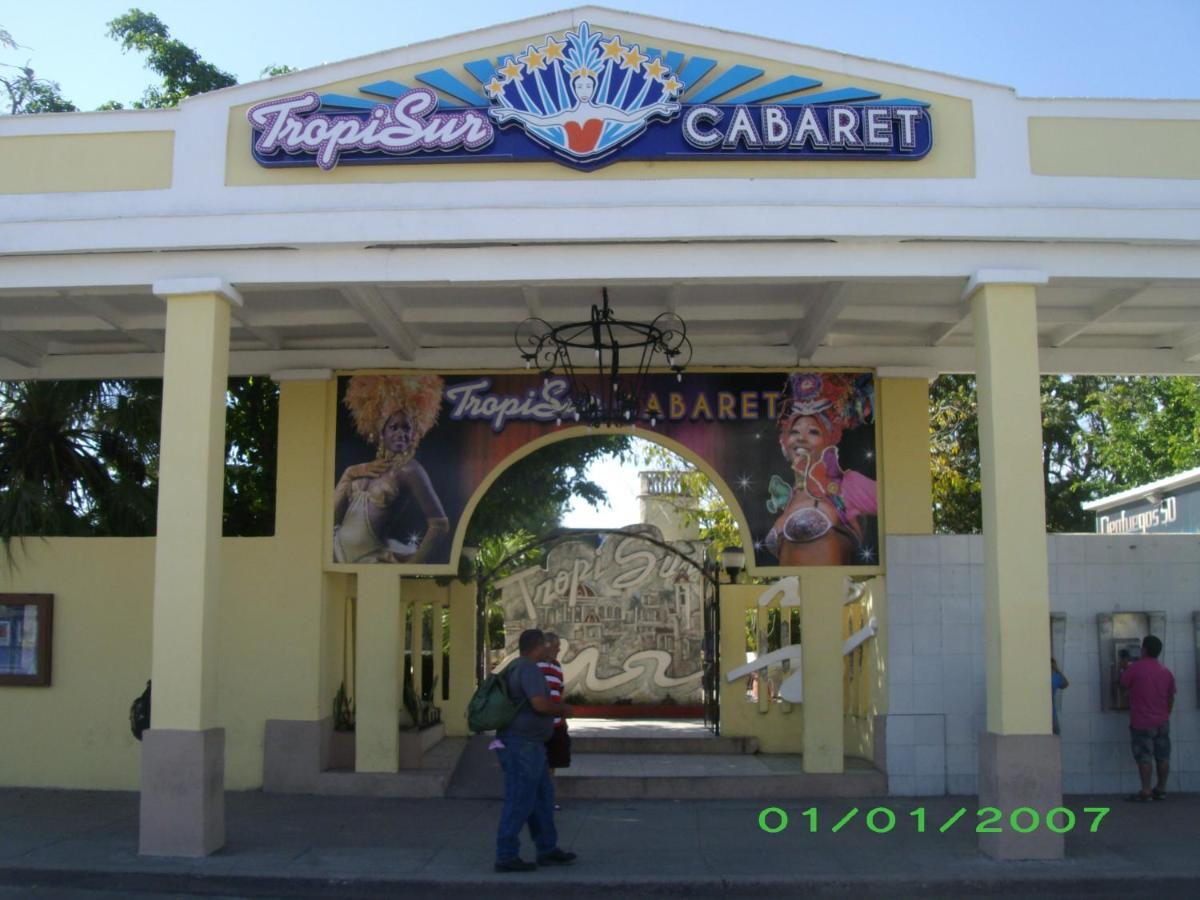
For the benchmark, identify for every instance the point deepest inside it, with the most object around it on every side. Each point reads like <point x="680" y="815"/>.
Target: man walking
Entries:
<point x="1151" y="688"/>
<point x="558" y="748"/>
<point x="528" y="792"/>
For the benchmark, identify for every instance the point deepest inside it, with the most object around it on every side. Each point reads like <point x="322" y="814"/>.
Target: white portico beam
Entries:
<point x="725" y="262"/>
<point x="820" y="315"/>
<point x="369" y="303"/>
<point x="1098" y="312"/>
<point x="269" y="336"/>
<point x="109" y="315"/>
<point x="21" y="352"/>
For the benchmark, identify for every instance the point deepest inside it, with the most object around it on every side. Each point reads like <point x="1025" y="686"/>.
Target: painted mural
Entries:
<point x="796" y="452"/>
<point x="629" y="613"/>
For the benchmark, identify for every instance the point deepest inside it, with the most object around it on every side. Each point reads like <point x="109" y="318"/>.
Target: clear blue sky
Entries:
<point x="1062" y="48"/>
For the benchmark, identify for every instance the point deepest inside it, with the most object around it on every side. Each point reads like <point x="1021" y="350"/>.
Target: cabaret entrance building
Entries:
<point x="834" y="231"/>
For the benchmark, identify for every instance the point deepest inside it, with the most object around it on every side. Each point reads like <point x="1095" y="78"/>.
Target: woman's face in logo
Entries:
<point x="584" y="86"/>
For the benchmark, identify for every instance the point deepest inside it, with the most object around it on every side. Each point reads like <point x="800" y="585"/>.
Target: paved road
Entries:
<point x="309" y="846"/>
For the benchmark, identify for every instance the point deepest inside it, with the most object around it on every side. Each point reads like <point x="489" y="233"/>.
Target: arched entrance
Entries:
<point x="648" y="607"/>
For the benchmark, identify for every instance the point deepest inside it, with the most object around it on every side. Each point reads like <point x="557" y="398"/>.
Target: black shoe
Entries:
<point x="516" y="865"/>
<point x="556" y="857"/>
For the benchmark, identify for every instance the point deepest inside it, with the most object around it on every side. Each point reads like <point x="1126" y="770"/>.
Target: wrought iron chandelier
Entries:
<point x="588" y="355"/>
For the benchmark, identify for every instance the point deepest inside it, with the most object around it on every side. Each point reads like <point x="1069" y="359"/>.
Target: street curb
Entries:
<point x="1066" y="884"/>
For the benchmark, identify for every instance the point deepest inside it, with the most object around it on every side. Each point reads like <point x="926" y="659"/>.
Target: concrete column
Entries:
<point x="182" y="809"/>
<point x="822" y="591"/>
<point x="436" y="639"/>
<point x="1019" y="761"/>
<point x="416" y="643"/>
<point x="906" y="479"/>
<point x="380" y="627"/>
<point x="464" y="653"/>
<point x="299" y="728"/>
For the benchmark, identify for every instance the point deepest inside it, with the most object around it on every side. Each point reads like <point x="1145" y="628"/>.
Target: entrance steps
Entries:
<point x="430" y="780"/>
<point x="657" y="746"/>
<point x="621" y="761"/>
<point x="712" y="777"/>
<point x="635" y="774"/>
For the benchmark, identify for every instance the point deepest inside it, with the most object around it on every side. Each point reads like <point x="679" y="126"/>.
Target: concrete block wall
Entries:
<point x="936" y="657"/>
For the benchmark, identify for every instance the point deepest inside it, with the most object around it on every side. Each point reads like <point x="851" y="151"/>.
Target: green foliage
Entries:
<point x="81" y="457"/>
<point x="26" y="92"/>
<point x="73" y="460"/>
<point x="184" y="73"/>
<point x="1152" y="429"/>
<point x="533" y="493"/>
<point x="1100" y="435"/>
<point x="275" y="71"/>
<point x="954" y="455"/>
<point x="698" y="502"/>
<point x="500" y="555"/>
<point x="251" y="451"/>
<point x="343" y="710"/>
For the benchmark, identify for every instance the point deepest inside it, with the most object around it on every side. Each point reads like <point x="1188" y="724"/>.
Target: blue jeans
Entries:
<point x="528" y="797"/>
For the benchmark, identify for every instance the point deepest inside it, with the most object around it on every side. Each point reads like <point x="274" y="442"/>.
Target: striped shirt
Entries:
<point x="554" y="682"/>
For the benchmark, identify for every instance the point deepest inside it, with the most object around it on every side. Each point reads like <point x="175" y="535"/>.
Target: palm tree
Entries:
<point x="74" y="458"/>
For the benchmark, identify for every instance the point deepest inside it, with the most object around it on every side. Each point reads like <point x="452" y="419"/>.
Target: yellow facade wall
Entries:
<point x="952" y="156"/>
<point x="75" y="733"/>
<point x="906" y="485"/>
<point x="283" y="633"/>
<point x="109" y="161"/>
<point x="1115" y="148"/>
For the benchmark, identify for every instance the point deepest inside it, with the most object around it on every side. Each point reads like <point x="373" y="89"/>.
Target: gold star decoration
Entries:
<point x="510" y="69"/>
<point x="656" y="69"/>
<point x="553" y="50"/>
<point x="533" y="59"/>
<point x="632" y="58"/>
<point x="613" y="49"/>
<point x="672" y="85"/>
<point x="495" y="87"/>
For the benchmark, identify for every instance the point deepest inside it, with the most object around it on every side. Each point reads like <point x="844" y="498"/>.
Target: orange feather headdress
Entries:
<point x="373" y="399"/>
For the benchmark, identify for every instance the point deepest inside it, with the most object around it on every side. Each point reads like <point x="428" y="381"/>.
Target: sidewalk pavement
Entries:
<point x="312" y="846"/>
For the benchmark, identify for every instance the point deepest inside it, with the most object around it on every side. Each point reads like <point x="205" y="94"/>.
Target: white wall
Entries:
<point x="936" y="656"/>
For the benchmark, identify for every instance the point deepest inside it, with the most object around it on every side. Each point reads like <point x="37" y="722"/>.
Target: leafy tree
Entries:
<point x="27" y="93"/>
<point x="183" y="71"/>
<point x="251" y="449"/>
<point x="1151" y="430"/>
<point x="954" y="455"/>
<point x="533" y="493"/>
<point x="698" y="502"/>
<point x="1100" y="435"/>
<point x="72" y="461"/>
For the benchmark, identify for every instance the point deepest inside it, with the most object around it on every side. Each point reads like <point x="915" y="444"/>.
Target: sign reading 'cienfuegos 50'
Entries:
<point x="585" y="99"/>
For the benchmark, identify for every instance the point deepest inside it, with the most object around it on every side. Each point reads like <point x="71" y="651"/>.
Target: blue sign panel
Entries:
<point x="1178" y="513"/>
<point x="586" y="101"/>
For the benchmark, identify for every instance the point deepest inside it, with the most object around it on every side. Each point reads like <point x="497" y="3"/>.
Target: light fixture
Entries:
<point x="733" y="560"/>
<point x="599" y="393"/>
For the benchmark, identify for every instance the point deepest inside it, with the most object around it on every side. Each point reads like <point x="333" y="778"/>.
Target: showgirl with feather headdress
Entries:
<point x="393" y="413"/>
<point x="821" y="515"/>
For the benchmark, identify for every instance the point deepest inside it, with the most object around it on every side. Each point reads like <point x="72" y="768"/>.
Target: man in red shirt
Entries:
<point x="1151" y="688"/>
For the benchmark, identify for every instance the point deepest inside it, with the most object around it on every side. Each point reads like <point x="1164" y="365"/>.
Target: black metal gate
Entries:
<point x="711" y="662"/>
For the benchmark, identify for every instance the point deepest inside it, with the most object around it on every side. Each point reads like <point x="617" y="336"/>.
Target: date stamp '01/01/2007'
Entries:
<point x="988" y="820"/>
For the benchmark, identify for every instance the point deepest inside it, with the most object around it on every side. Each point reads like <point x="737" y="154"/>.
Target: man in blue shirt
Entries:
<point x="528" y="791"/>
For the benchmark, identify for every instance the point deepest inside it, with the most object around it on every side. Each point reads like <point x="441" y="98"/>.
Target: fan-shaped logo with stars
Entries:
<point x="584" y="96"/>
